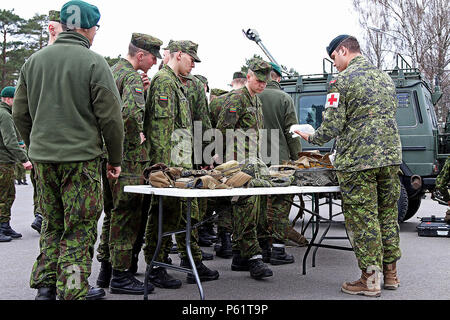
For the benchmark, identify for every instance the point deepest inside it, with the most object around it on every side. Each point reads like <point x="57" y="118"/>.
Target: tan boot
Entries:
<point x="391" y="281"/>
<point x="296" y="237"/>
<point x="447" y="216"/>
<point x="367" y="285"/>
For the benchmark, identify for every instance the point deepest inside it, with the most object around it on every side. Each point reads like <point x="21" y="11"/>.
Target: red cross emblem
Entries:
<point x="332" y="100"/>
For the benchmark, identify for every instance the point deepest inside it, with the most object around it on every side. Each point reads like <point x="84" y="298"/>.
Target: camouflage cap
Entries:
<point x="185" y="46"/>
<point x="218" y="92"/>
<point x="54" y="15"/>
<point x="147" y="43"/>
<point x="239" y="75"/>
<point x="261" y="69"/>
<point x="170" y="42"/>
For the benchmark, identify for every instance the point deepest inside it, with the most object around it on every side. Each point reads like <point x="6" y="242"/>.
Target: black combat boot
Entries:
<point x="46" y="293"/>
<point x="161" y="279"/>
<point x="37" y="223"/>
<point x="95" y="293"/>
<point x="279" y="256"/>
<point x="258" y="269"/>
<point x="207" y="256"/>
<point x="265" y="247"/>
<point x="204" y="273"/>
<point x="3" y="237"/>
<point x="225" y="248"/>
<point x="104" y="276"/>
<point x="204" y="242"/>
<point x="207" y="233"/>
<point x="24" y="181"/>
<point x="8" y="231"/>
<point x="238" y="263"/>
<point x="123" y="282"/>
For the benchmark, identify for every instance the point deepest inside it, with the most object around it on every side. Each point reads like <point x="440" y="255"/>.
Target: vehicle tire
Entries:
<point x="402" y="204"/>
<point x="413" y="206"/>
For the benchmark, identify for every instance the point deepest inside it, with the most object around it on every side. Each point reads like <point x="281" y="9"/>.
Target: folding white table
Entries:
<point x="190" y="194"/>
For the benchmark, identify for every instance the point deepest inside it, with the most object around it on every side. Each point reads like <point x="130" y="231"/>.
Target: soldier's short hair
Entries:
<point x="351" y="43"/>
<point x="274" y="75"/>
<point x="133" y="50"/>
<point x="240" y="81"/>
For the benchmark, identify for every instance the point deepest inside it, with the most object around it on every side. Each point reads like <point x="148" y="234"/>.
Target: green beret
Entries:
<point x="276" y="68"/>
<point x="239" y="75"/>
<point x="204" y="80"/>
<point x="8" y="92"/>
<point x="80" y="14"/>
<point x="185" y="46"/>
<point x="54" y="15"/>
<point x="335" y="43"/>
<point x="218" y="92"/>
<point x="147" y="43"/>
<point x="261" y="69"/>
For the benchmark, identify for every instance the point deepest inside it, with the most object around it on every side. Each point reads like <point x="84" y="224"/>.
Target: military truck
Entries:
<point x="424" y="148"/>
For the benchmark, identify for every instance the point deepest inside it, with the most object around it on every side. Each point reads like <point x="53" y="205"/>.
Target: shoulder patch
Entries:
<point x="232" y="109"/>
<point x="163" y="98"/>
<point x="332" y="100"/>
<point x="333" y="81"/>
<point x="138" y="90"/>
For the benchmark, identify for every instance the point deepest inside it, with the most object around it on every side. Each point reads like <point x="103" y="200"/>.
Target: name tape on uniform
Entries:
<point x="332" y="100"/>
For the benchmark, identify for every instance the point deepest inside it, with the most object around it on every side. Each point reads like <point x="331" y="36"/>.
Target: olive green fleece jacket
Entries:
<point x="279" y="113"/>
<point x="10" y="152"/>
<point x="67" y="103"/>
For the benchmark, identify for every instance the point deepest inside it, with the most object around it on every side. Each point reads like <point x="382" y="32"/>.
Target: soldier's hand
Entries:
<point x="28" y="165"/>
<point x="145" y="81"/>
<point x="112" y="172"/>
<point x="142" y="137"/>
<point x="304" y="135"/>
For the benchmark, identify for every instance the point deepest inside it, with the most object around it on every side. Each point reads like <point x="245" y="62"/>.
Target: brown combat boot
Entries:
<point x="297" y="237"/>
<point x="368" y="285"/>
<point x="391" y="281"/>
<point x="447" y="216"/>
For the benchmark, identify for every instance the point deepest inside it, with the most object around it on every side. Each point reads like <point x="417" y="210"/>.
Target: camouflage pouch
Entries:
<point x="315" y="177"/>
<point x="208" y="182"/>
<point x="282" y="181"/>
<point x="160" y="179"/>
<point x="238" y="180"/>
<point x="256" y="169"/>
<point x="259" y="183"/>
<point x="228" y="168"/>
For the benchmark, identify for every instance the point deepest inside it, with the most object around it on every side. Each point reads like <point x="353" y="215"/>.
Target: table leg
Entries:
<point x="330" y="212"/>
<point x="158" y="246"/>
<point x="188" y="249"/>
<point x="316" y="221"/>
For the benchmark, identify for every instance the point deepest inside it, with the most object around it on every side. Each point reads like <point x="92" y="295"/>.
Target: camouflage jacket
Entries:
<point x="242" y="114"/>
<point x="198" y="102"/>
<point x="279" y="114"/>
<point x="10" y="151"/>
<point x="168" y="123"/>
<point x="443" y="179"/>
<point x="214" y="108"/>
<point x="131" y="91"/>
<point x="360" y="114"/>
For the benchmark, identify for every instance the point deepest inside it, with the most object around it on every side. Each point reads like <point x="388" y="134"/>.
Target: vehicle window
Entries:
<point x="430" y="109"/>
<point x="311" y="108"/>
<point x="406" y="113"/>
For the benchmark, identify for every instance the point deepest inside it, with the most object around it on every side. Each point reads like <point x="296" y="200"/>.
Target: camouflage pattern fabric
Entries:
<point x="370" y="210"/>
<point x="20" y="172"/>
<point x="198" y="102"/>
<point x="274" y="225"/>
<point x="225" y="219"/>
<point x="443" y="179"/>
<point x="360" y="114"/>
<point x="174" y="213"/>
<point x="36" y="206"/>
<point x="215" y="106"/>
<point x="103" y="246"/>
<point x="131" y="90"/>
<point x="125" y="215"/>
<point x="7" y="191"/>
<point x="71" y="204"/>
<point x="241" y="111"/>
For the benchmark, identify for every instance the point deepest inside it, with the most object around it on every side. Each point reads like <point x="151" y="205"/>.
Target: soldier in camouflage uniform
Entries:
<point x="64" y="123"/>
<point x="279" y="116"/>
<point x="10" y="153"/>
<point x="143" y="52"/>
<point x="242" y="111"/>
<point x="442" y="182"/>
<point x="360" y="114"/>
<point x="168" y="114"/>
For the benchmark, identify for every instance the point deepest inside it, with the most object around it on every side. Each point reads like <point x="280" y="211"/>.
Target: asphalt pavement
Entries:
<point x="423" y="269"/>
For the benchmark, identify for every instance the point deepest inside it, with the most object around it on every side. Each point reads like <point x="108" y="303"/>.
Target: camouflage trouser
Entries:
<point x="274" y="220"/>
<point x="103" y="246"/>
<point x="7" y="190"/>
<point x="126" y="215"/>
<point x="71" y="204"/>
<point x="246" y="217"/>
<point x="370" y="210"/>
<point x="20" y="171"/>
<point x="36" y="208"/>
<point x="174" y="218"/>
<point x="225" y="220"/>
